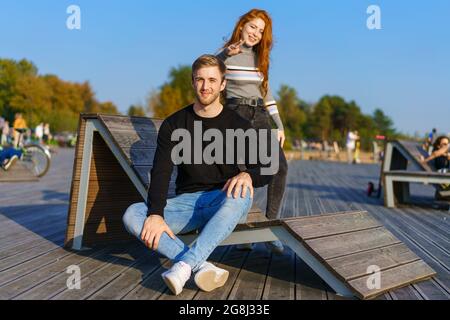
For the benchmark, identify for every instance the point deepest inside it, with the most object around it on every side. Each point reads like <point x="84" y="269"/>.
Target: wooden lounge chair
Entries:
<point x="401" y="166"/>
<point x="113" y="157"/>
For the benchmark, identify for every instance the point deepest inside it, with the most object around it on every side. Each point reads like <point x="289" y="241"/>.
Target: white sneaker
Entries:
<point x="275" y="246"/>
<point x="176" y="277"/>
<point x="210" y="277"/>
<point x="11" y="161"/>
<point x="245" y="246"/>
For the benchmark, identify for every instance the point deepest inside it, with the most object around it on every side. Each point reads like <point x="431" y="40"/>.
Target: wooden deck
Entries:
<point x="33" y="264"/>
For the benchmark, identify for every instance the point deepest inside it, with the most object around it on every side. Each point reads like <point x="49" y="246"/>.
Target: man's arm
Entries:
<point x="161" y="171"/>
<point x="154" y="225"/>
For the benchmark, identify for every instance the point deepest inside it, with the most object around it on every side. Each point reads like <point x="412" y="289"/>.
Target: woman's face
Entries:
<point x="252" y="32"/>
<point x="444" y="143"/>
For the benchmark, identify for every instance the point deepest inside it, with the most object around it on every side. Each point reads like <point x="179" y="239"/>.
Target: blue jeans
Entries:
<point x="8" y="153"/>
<point x="210" y="212"/>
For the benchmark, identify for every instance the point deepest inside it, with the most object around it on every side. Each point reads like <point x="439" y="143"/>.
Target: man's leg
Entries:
<point x="222" y="216"/>
<point x="181" y="216"/>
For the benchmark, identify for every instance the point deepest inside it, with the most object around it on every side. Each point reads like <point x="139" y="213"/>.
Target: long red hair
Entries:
<point x="263" y="48"/>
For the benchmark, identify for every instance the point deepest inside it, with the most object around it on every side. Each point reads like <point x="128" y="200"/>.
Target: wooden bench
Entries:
<point x="402" y="165"/>
<point x="113" y="158"/>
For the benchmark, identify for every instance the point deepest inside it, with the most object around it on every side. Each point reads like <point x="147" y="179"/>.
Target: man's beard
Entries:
<point x="208" y="100"/>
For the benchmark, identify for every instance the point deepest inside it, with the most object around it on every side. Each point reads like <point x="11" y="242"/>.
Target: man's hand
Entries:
<point x="242" y="180"/>
<point x="154" y="226"/>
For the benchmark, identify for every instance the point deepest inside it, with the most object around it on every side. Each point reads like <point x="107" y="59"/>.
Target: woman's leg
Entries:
<point x="276" y="187"/>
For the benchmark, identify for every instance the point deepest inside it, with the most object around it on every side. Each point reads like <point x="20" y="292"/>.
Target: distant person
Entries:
<point x="2" y="124"/>
<point x="47" y="135"/>
<point x="39" y="132"/>
<point x="19" y="125"/>
<point x="431" y="138"/>
<point x="356" y="158"/>
<point x="351" y="144"/>
<point x="5" y="131"/>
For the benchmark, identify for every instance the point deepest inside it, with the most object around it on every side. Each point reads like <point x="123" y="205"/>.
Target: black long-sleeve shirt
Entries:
<point x="194" y="177"/>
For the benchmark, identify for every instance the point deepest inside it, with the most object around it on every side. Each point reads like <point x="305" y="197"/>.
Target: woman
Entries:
<point x="441" y="160"/>
<point x="440" y="154"/>
<point x="246" y="56"/>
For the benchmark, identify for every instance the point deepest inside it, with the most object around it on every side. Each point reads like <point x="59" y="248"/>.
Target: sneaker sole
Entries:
<point x="208" y="280"/>
<point x="170" y="285"/>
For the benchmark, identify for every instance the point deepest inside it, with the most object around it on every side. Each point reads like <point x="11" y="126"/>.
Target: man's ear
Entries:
<point x="223" y="84"/>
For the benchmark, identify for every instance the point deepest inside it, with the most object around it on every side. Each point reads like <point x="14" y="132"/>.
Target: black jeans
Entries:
<point x="259" y="118"/>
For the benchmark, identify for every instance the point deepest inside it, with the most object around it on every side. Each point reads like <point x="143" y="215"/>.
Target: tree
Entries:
<point x="291" y="113"/>
<point x="321" y="124"/>
<point x="134" y="110"/>
<point x="174" y="94"/>
<point x="383" y="123"/>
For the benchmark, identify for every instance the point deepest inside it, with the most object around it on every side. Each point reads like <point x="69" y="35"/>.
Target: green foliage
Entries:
<point x="137" y="111"/>
<point x="45" y="98"/>
<point x="174" y="94"/>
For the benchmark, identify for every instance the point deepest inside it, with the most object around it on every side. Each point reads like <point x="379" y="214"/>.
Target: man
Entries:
<point x="211" y="198"/>
<point x="351" y="144"/>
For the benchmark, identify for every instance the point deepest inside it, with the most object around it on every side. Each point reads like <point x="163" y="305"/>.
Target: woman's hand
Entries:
<point x="281" y="137"/>
<point x="234" y="48"/>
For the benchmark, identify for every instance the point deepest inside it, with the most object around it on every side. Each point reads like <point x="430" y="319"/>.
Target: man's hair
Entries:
<point x="209" y="60"/>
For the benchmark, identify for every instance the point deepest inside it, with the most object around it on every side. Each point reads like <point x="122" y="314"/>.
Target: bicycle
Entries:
<point x="35" y="157"/>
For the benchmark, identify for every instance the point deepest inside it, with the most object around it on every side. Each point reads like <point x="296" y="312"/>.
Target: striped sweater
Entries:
<point x="244" y="80"/>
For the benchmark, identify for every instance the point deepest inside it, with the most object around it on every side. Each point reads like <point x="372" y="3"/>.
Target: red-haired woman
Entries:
<point x="247" y="55"/>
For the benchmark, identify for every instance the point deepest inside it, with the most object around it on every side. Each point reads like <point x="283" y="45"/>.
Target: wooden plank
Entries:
<point x="22" y="284"/>
<point x="26" y="255"/>
<point x="250" y="282"/>
<point x="349" y="243"/>
<point x="128" y="123"/>
<point x="152" y="286"/>
<point x="395" y="278"/>
<point x="233" y="262"/>
<point x="133" y="139"/>
<point x="148" y="263"/>
<point x="55" y="284"/>
<point x="280" y="282"/>
<point x="332" y="225"/>
<point x="308" y="285"/>
<point x="17" y="173"/>
<point x="355" y="265"/>
<point x="91" y="282"/>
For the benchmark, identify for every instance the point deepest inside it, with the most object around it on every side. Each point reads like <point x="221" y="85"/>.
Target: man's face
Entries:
<point x="207" y="83"/>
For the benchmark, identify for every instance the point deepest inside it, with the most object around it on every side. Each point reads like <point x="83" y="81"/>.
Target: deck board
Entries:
<point x="35" y="231"/>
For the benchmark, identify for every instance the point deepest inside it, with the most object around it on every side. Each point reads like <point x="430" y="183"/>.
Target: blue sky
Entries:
<point x="126" y="48"/>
